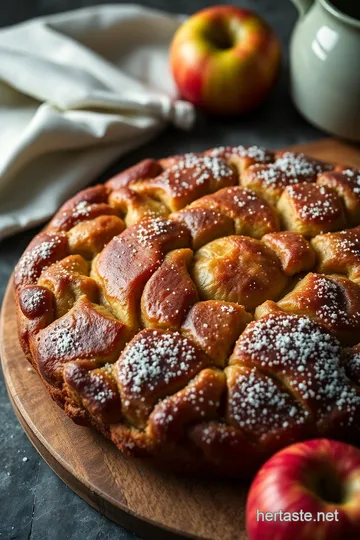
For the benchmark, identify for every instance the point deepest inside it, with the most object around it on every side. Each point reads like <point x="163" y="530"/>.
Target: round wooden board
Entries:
<point x="149" y="502"/>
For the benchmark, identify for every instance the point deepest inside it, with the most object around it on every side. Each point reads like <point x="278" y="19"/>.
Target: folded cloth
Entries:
<point x="78" y="90"/>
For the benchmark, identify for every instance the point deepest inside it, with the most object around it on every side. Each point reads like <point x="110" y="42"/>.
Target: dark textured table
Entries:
<point x="34" y="503"/>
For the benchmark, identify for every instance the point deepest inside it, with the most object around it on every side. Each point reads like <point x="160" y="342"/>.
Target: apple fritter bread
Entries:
<point x="202" y="310"/>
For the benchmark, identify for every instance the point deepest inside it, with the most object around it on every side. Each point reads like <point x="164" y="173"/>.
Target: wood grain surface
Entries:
<point x="152" y="503"/>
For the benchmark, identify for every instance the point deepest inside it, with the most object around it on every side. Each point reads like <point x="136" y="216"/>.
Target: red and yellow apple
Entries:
<point x="307" y="491"/>
<point x="225" y="59"/>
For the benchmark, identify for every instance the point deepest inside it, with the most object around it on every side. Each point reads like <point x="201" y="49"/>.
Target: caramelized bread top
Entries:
<point x="202" y="309"/>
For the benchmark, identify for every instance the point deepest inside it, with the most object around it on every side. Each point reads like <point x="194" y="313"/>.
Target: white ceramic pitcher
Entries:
<point x="325" y="65"/>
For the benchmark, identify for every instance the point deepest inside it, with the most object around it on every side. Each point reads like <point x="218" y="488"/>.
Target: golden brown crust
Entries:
<point x="238" y="269"/>
<point x="36" y="310"/>
<point x="85" y="206"/>
<point x="198" y="401"/>
<point x="169" y="293"/>
<point x="251" y="215"/>
<point x="88" y="387"/>
<point x="154" y="364"/>
<point x="187" y="180"/>
<point x="288" y="169"/>
<point x="310" y="209"/>
<point x="339" y="253"/>
<point x="135" y="307"/>
<point x="134" y="206"/>
<point x="148" y="168"/>
<point x="204" y="224"/>
<point x="346" y="182"/>
<point x="307" y="361"/>
<point x="129" y="260"/>
<point x="86" y="332"/>
<point x="214" y="326"/>
<point x="89" y="237"/>
<point x="44" y="250"/>
<point x="333" y="302"/>
<point x="68" y="280"/>
<point x="250" y="391"/>
<point x="293" y="250"/>
<point x="242" y="157"/>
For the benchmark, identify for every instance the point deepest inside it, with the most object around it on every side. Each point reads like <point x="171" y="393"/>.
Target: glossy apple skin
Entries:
<point x="224" y="80"/>
<point x="287" y="482"/>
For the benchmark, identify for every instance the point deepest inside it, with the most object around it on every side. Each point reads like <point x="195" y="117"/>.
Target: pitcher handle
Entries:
<point x="303" y="6"/>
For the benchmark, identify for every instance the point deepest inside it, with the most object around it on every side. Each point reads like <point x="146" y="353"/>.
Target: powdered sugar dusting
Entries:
<point x="149" y="231"/>
<point x="94" y="385"/>
<point x="35" y="299"/>
<point x="347" y="242"/>
<point x="354" y="177"/>
<point x="331" y="308"/>
<point x="289" y="365"/>
<point x="35" y="260"/>
<point x="289" y="169"/>
<point x="245" y="198"/>
<point x="197" y="399"/>
<point x="64" y="341"/>
<point x="255" y="152"/>
<point x="227" y="308"/>
<point x="352" y="366"/>
<point x="82" y="209"/>
<point x="317" y="202"/>
<point x="220" y="433"/>
<point x="258" y="404"/>
<point x="309" y="358"/>
<point x="298" y="165"/>
<point x="292" y="340"/>
<point x="155" y="356"/>
<point x="193" y="171"/>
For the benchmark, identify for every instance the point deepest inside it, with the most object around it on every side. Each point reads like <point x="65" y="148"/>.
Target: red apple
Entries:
<point x="301" y="480"/>
<point x="225" y="59"/>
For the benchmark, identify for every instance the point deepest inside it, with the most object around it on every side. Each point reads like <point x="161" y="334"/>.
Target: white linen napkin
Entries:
<point x="78" y="90"/>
